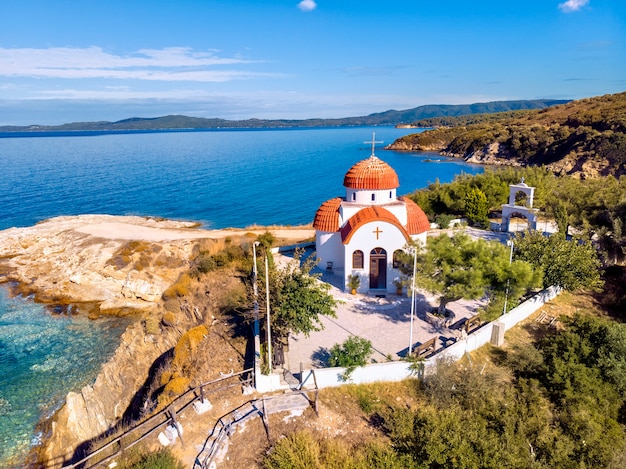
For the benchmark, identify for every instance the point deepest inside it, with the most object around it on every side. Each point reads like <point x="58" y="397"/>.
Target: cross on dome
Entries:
<point x="374" y="142"/>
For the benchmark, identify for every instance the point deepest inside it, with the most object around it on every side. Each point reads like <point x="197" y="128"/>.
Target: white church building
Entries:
<point x="363" y="232"/>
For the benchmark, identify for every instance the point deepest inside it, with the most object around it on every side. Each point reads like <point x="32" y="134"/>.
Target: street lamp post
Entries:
<point x="269" y="334"/>
<point x="509" y="242"/>
<point x="255" y="274"/>
<point x="410" y="352"/>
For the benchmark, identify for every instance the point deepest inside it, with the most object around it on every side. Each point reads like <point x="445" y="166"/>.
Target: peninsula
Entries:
<point x="112" y="265"/>
<point x="583" y="138"/>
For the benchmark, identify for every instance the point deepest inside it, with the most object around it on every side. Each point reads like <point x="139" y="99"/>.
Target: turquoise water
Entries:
<point x="43" y="355"/>
<point x="219" y="178"/>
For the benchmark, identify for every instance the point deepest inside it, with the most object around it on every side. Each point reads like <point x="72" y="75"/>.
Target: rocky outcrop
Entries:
<point x="405" y="144"/>
<point x="61" y="262"/>
<point x="107" y="265"/>
<point x="115" y="265"/>
<point x="494" y="154"/>
<point x="94" y="410"/>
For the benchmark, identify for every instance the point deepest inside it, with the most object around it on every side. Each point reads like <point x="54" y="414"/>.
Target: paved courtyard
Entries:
<point x="386" y="322"/>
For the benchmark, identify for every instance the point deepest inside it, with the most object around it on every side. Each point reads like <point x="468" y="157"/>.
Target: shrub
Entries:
<point x="352" y="353"/>
<point x="161" y="459"/>
<point x="179" y="288"/>
<point x="169" y="319"/>
<point x="187" y="345"/>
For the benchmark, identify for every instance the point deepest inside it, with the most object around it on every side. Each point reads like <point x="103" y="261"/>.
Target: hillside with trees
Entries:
<point x="584" y="138"/>
<point x="391" y="117"/>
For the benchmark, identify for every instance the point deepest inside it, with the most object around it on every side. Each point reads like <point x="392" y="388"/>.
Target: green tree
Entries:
<point x="297" y="298"/>
<point x="567" y="264"/>
<point x="476" y="207"/>
<point x="458" y="267"/>
<point x="266" y="240"/>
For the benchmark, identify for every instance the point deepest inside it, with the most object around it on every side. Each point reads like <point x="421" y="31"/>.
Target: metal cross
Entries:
<point x="377" y="231"/>
<point x="374" y="142"/>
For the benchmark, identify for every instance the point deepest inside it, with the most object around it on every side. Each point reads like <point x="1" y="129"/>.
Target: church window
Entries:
<point x="353" y="196"/>
<point x="390" y="194"/>
<point x="357" y="259"/>
<point x="373" y="197"/>
<point x="397" y="258"/>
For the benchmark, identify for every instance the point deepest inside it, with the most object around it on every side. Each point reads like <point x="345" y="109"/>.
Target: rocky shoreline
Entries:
<point x="496" y="154"/>
<point x="107" y="265"/>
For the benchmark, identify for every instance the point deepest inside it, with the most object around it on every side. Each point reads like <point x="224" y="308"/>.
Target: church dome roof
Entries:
<point x="417" y="221"/>
<point x="373" y="174"/>
<point x="327" y="216"/>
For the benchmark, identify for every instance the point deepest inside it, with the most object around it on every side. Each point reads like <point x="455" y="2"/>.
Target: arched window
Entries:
<point x="397" y="258"/>
<point x="357" y="259"/>
<point x="353" y="196"/>
<point x="373" y="197"/>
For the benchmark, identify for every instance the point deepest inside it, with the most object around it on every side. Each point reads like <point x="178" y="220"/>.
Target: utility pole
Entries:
<point x="412" y="302"/>
<point x="509" y="242"/>
<point x="269" y="334"/>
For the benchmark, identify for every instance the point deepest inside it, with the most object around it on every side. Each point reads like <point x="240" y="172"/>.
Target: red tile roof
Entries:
<point x="373" y="174"/>
<point x="367" y="215"/>
<point x="327" y="216"/>
<point x="417" y="221"/>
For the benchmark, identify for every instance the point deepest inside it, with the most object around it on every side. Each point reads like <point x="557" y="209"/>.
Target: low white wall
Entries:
<point x="399" y="370"/>
<point x="329" y="377"/>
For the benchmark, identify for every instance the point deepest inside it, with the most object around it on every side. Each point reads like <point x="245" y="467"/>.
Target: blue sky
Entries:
<point x="66" y="61"/>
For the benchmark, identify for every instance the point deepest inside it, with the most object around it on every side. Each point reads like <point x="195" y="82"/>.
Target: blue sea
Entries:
<point x="226" y="178"/>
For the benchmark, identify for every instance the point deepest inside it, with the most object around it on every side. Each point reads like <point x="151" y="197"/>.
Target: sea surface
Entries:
<point x="229" y="178"/>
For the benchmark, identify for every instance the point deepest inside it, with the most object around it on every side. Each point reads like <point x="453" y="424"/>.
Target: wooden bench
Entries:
<point x="426" y="348"/>
<point x="472" y="323"/>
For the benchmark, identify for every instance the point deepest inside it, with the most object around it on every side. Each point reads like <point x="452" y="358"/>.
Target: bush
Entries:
<point x="303" y="450"/>
<point x="352" y="353"/>
<point x="179" y="288"/>
<point x="161" y="459"/>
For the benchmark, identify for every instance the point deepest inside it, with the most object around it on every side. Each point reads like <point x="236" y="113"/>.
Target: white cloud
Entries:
<point x="572" y="5"/>
<point x="168" y="64"/>
<point x="307" y="5"/>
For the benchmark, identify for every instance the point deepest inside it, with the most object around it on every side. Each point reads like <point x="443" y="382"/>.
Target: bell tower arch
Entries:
<point x="521" y="197"/>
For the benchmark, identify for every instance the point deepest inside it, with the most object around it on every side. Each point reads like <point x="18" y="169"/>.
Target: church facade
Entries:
<point x="362" y="233"/>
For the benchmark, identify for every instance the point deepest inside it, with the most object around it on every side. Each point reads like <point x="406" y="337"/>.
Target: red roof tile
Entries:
<point x="371" y="173"/>
<point x="367" y="215"/>
<point x="327" y="216"/>
<point x="417" y="221"/>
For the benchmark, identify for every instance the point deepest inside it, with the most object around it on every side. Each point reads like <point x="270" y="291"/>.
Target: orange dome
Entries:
<point x="373" y="174"/>
<point x="417" y="221"/>
<point x="327" y="216"/>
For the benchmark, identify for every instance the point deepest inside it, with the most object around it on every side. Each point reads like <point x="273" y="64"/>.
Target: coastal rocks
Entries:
<point x="94" y="410"/>
<point x="62" y="261"/>
<point x="493" y="154"/>
<point x="105" y="266"/>
<point x="405" y="144"/>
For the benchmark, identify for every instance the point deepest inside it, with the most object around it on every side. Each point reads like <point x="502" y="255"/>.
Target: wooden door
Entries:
<point x="378" y="268"/>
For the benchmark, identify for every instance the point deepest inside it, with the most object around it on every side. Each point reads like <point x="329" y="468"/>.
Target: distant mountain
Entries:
<point x="176" y="122"/>
<point x="584" y="138"/>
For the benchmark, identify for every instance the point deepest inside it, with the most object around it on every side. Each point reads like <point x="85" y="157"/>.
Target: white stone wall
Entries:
<point x="329" y="248"/>
<point x="399" y="370"/>
<point x="364" y="196"/>
<point x="390" y="239"/>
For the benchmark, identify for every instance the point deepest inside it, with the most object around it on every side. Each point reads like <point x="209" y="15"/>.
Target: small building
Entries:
<point x="520" y="204"/>
<point x="363" y="232"/>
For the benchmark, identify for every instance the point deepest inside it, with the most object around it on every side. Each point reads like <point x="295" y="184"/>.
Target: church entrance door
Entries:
<point x="378" y="268"/>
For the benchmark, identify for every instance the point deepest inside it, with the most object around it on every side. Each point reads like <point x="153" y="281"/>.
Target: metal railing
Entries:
<point x="156" y="422"/>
